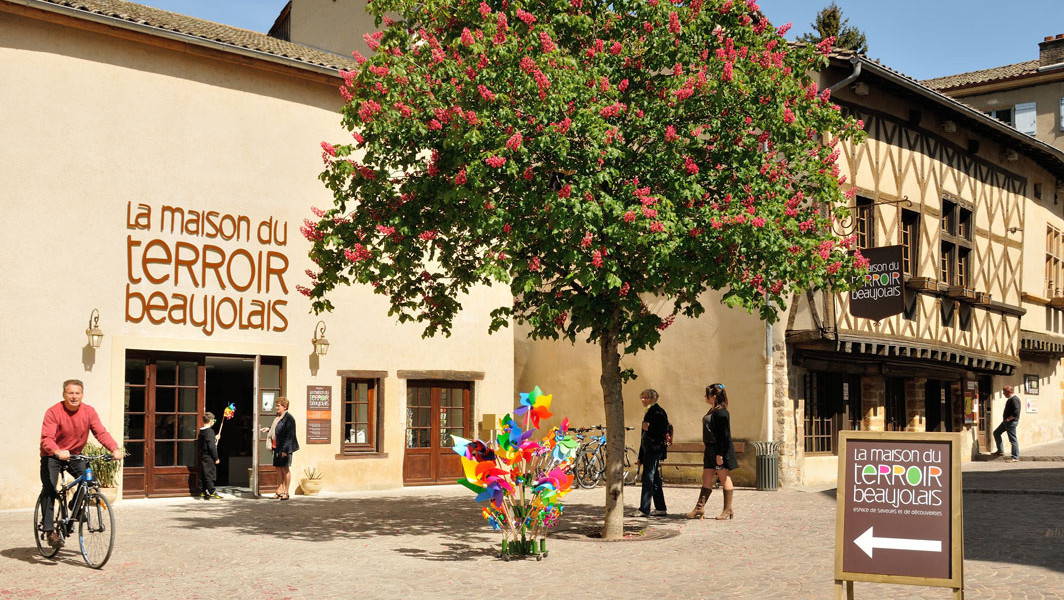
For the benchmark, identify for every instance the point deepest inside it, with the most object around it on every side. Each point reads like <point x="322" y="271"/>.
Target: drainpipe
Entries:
<point x="767" y="459"/>
<point x="856" y="62"/>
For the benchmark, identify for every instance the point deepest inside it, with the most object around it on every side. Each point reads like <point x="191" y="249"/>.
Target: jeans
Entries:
<point x="1008" y="427"/>
<point x="651" y="480"/>
<point x="50" y="468"/>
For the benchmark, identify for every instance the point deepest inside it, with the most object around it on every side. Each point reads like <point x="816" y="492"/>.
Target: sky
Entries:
<point x="920" y="38"/>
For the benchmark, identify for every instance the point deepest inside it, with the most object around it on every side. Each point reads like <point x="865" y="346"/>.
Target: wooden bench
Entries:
<point x="687" y="448"/>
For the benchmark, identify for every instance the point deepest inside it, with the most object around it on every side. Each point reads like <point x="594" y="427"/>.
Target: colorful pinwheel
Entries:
<point x="522" y="480"/>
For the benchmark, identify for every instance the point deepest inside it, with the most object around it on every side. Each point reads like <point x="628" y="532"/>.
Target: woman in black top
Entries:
<point x="282" y="437"/>
<point x="719" y="457"/>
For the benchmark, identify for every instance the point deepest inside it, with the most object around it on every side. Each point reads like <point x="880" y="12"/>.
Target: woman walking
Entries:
<point x="719" y="457"/>
<point x="282" y="437"/>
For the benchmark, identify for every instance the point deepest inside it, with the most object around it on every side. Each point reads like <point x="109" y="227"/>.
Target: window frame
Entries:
<point x="864" y="222"/>
<point x="910" y="242"/>
<point x="828" y="410"/>
<point x="1054" y="266"/>
<point x="955" y="247"/>
<point x="373" y="400"/>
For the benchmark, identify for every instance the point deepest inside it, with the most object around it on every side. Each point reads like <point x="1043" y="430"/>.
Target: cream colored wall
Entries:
<point x="94" y="123"/>
<point x="1047" y="97"/>
<point x="1044" y="425"/>
<point x="313" y="22"/>
<point x="724" y="345"/>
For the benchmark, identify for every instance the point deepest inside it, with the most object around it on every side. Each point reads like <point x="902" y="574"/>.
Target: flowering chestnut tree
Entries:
<point x="594" y="155"/>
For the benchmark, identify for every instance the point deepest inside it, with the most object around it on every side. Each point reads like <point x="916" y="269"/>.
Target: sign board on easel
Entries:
<point x="898" y="510"/>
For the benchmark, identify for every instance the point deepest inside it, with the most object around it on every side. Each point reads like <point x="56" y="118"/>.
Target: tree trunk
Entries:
<point x="613" y="526"/>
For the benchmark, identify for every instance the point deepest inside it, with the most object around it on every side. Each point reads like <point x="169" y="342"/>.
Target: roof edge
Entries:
<point x="152" y="30"/>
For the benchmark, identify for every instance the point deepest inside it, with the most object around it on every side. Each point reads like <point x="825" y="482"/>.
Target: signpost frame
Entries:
<point x="955" y="579"/>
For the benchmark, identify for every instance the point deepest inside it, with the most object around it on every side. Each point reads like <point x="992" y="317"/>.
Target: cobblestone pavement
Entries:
<point x="432" y="543"/>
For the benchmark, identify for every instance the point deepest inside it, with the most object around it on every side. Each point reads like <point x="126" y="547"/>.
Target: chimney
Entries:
<point x="1051" y="51"/>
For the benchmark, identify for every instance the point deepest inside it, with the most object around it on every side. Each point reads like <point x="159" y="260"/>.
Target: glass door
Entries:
<point x="435" y="410"/>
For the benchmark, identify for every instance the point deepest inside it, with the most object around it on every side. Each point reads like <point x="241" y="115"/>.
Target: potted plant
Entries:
<point x="104" y="471"/>
<point x="311" y="482"/>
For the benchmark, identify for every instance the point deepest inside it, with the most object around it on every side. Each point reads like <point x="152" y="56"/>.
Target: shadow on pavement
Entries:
<point x="29" y="555"/>
<point x="457" y="520"/>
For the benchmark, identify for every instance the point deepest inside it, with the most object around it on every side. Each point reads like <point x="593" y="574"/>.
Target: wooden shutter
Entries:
<point x="1025" y="118"/>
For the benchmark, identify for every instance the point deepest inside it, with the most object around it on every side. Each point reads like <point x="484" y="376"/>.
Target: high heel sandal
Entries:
<point x="284" y="497"/>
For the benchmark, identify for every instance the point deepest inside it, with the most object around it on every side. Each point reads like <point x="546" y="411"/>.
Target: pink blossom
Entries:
<point x="527" y="175"/>
<point x="670" y="134"/>
<point x="689" y="165"/>
<point x="824" y="47"/>
<point x="467" y="37"/>
<point x="526" y="16"/>
<point x="596" y="258"/>
<point x="527" y="64"/>
<point x="586" y="241"/>
<point x="758" y="222"/>
<point x="373" y="40"/>
<point x="566" y="191"/>
<point x="358" y="57"/>
<point x="367" y="110"/>
<point x="629" y="216"/>
<point x="460" y="178"/>
<point x="616" y="48"/>
<point x="612" y="110"/>
<point x="485" y="93"/>
<point x="385" y="230"/>
<point x="495" y="161"/>
<point x="674" y="22"/>
<point x="563" y="125"/>
<point x="782" y="31"/>
<point x="302" y="289"/>
<point x="546" y="44"/>
<point x="358" y="253"/>
<point x="427" y="235"/>
<point x="623" y="85"/>
<point x="728" y="74"/>
<point x="358" y="137"/>
<point x="328" y="148"/>
<point x="833" y="267"/>
<point x="624" y="289"/>
<point x="379" y="71"/>
<point x="514" y="143"/>
<point x="484" y="9"/>
<point x="788" y="116"/>
<point x="657" y="227"/>
<point x="435" y="124"/>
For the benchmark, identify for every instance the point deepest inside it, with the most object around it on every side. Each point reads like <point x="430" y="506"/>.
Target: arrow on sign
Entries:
<point x="868" y="542"/>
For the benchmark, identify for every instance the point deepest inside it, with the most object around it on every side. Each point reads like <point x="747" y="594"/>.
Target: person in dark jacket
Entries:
<point x="653" y="445"/>
<point x="718" y="460"/>
<point x="1010" y="418"/>
<point x="208" y="457"/>
<point x="282" y="438"/>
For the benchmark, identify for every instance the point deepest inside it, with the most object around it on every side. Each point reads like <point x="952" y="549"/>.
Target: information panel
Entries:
<point x="899" y="508"/>
<point x="319" y="414"/>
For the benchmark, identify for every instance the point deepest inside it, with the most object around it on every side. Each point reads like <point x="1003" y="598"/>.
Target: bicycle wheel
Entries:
<point x="596" y="471"/>
<point x="96" y="529"/>
<point x="631" y="466"/>
<point x="38" y="527"/>
<point x="583" y="471"/>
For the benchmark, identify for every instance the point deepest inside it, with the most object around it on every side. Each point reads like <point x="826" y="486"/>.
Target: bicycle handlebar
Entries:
<point x="91" y="457"/>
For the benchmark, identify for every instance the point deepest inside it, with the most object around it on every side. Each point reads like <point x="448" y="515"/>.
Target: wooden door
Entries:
<point x="268" y="386"/>
<point x="435" y="410"/>
<point x="164" y="397"/>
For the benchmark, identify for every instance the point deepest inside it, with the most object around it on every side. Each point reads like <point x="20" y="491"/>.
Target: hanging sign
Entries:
<point x="883" y="292"/>
<point x="319" y="414"/>
<point x="898" y="516"/>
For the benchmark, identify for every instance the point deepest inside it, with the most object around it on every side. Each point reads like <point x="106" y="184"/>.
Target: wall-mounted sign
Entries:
<point x="319" y="414"/>
<point x="883" y="292"/>
<point x="205" y="269"/>
<point x="898" y="516"/>
<point x="1030" y="384"/>
<point x="971" y="403"/>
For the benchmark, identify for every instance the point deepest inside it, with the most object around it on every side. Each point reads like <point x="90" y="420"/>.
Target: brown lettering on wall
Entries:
<point x="209" y="269"/>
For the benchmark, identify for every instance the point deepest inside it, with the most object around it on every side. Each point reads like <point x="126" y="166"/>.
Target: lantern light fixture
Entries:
<point x="321" y="345"/>
<point x="94" y="332"/>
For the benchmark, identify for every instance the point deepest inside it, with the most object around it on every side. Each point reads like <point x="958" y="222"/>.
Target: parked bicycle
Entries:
<point x="79" y="503"/>
<point x="589" y="466"/>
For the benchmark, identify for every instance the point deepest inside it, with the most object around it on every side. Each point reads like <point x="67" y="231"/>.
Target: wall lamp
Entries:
<point x="94" y="332"/>
<point x="321" y="345"/>
<point x="1015" y="229"/>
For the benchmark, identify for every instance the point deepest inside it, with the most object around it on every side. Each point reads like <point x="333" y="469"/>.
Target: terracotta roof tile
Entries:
<point x="950" y="82"/>
<point x="208" y="31"/>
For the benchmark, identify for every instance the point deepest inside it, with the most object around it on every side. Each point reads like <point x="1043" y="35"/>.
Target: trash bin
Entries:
<point x="768" y="465"/>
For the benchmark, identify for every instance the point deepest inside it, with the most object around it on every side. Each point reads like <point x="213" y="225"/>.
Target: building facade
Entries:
<point x="159" y="175"/>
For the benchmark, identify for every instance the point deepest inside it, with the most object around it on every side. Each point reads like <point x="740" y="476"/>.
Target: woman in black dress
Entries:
<point x="719" y="457"/>
<point x="282" y="437"/>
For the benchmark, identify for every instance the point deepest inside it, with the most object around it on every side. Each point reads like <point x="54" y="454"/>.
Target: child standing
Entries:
<point x="208" y="456"/>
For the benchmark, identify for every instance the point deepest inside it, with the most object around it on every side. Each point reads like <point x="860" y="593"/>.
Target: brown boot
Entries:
<point x="727" y="512"/>
<point x="700" y="508"/>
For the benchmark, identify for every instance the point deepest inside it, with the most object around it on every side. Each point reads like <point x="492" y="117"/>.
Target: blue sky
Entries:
<point x="921" y="38"/>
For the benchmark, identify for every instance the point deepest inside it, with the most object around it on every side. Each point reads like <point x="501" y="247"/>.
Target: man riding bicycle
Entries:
<point x="64" y="432"/>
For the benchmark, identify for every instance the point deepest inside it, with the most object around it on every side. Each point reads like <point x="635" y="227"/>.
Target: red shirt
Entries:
<point x="65" y="430"/>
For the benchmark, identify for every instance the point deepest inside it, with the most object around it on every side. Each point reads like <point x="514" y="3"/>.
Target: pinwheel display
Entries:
<point x="522" y="480"/>
<point x="226" y="415"/>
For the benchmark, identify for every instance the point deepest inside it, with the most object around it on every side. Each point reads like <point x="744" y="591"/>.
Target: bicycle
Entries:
<point x="589" y="466"/>
<point x="88" y="508"/>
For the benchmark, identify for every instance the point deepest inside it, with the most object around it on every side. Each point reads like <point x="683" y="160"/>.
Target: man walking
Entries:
<point x="1009" y="419"/>
<point x="652" y="450"/>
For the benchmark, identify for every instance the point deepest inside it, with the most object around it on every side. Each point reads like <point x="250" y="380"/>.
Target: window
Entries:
<point x="864" y="215"/>
<point x="832" y="403"/>
<point x="361" y="415"/>
<point x="1062" y="114"/>
<point x="910" y="242"/>
<point x="956" y="245"/>
<point x="1054" y="262"/>
<point x="1002" y="114"/>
